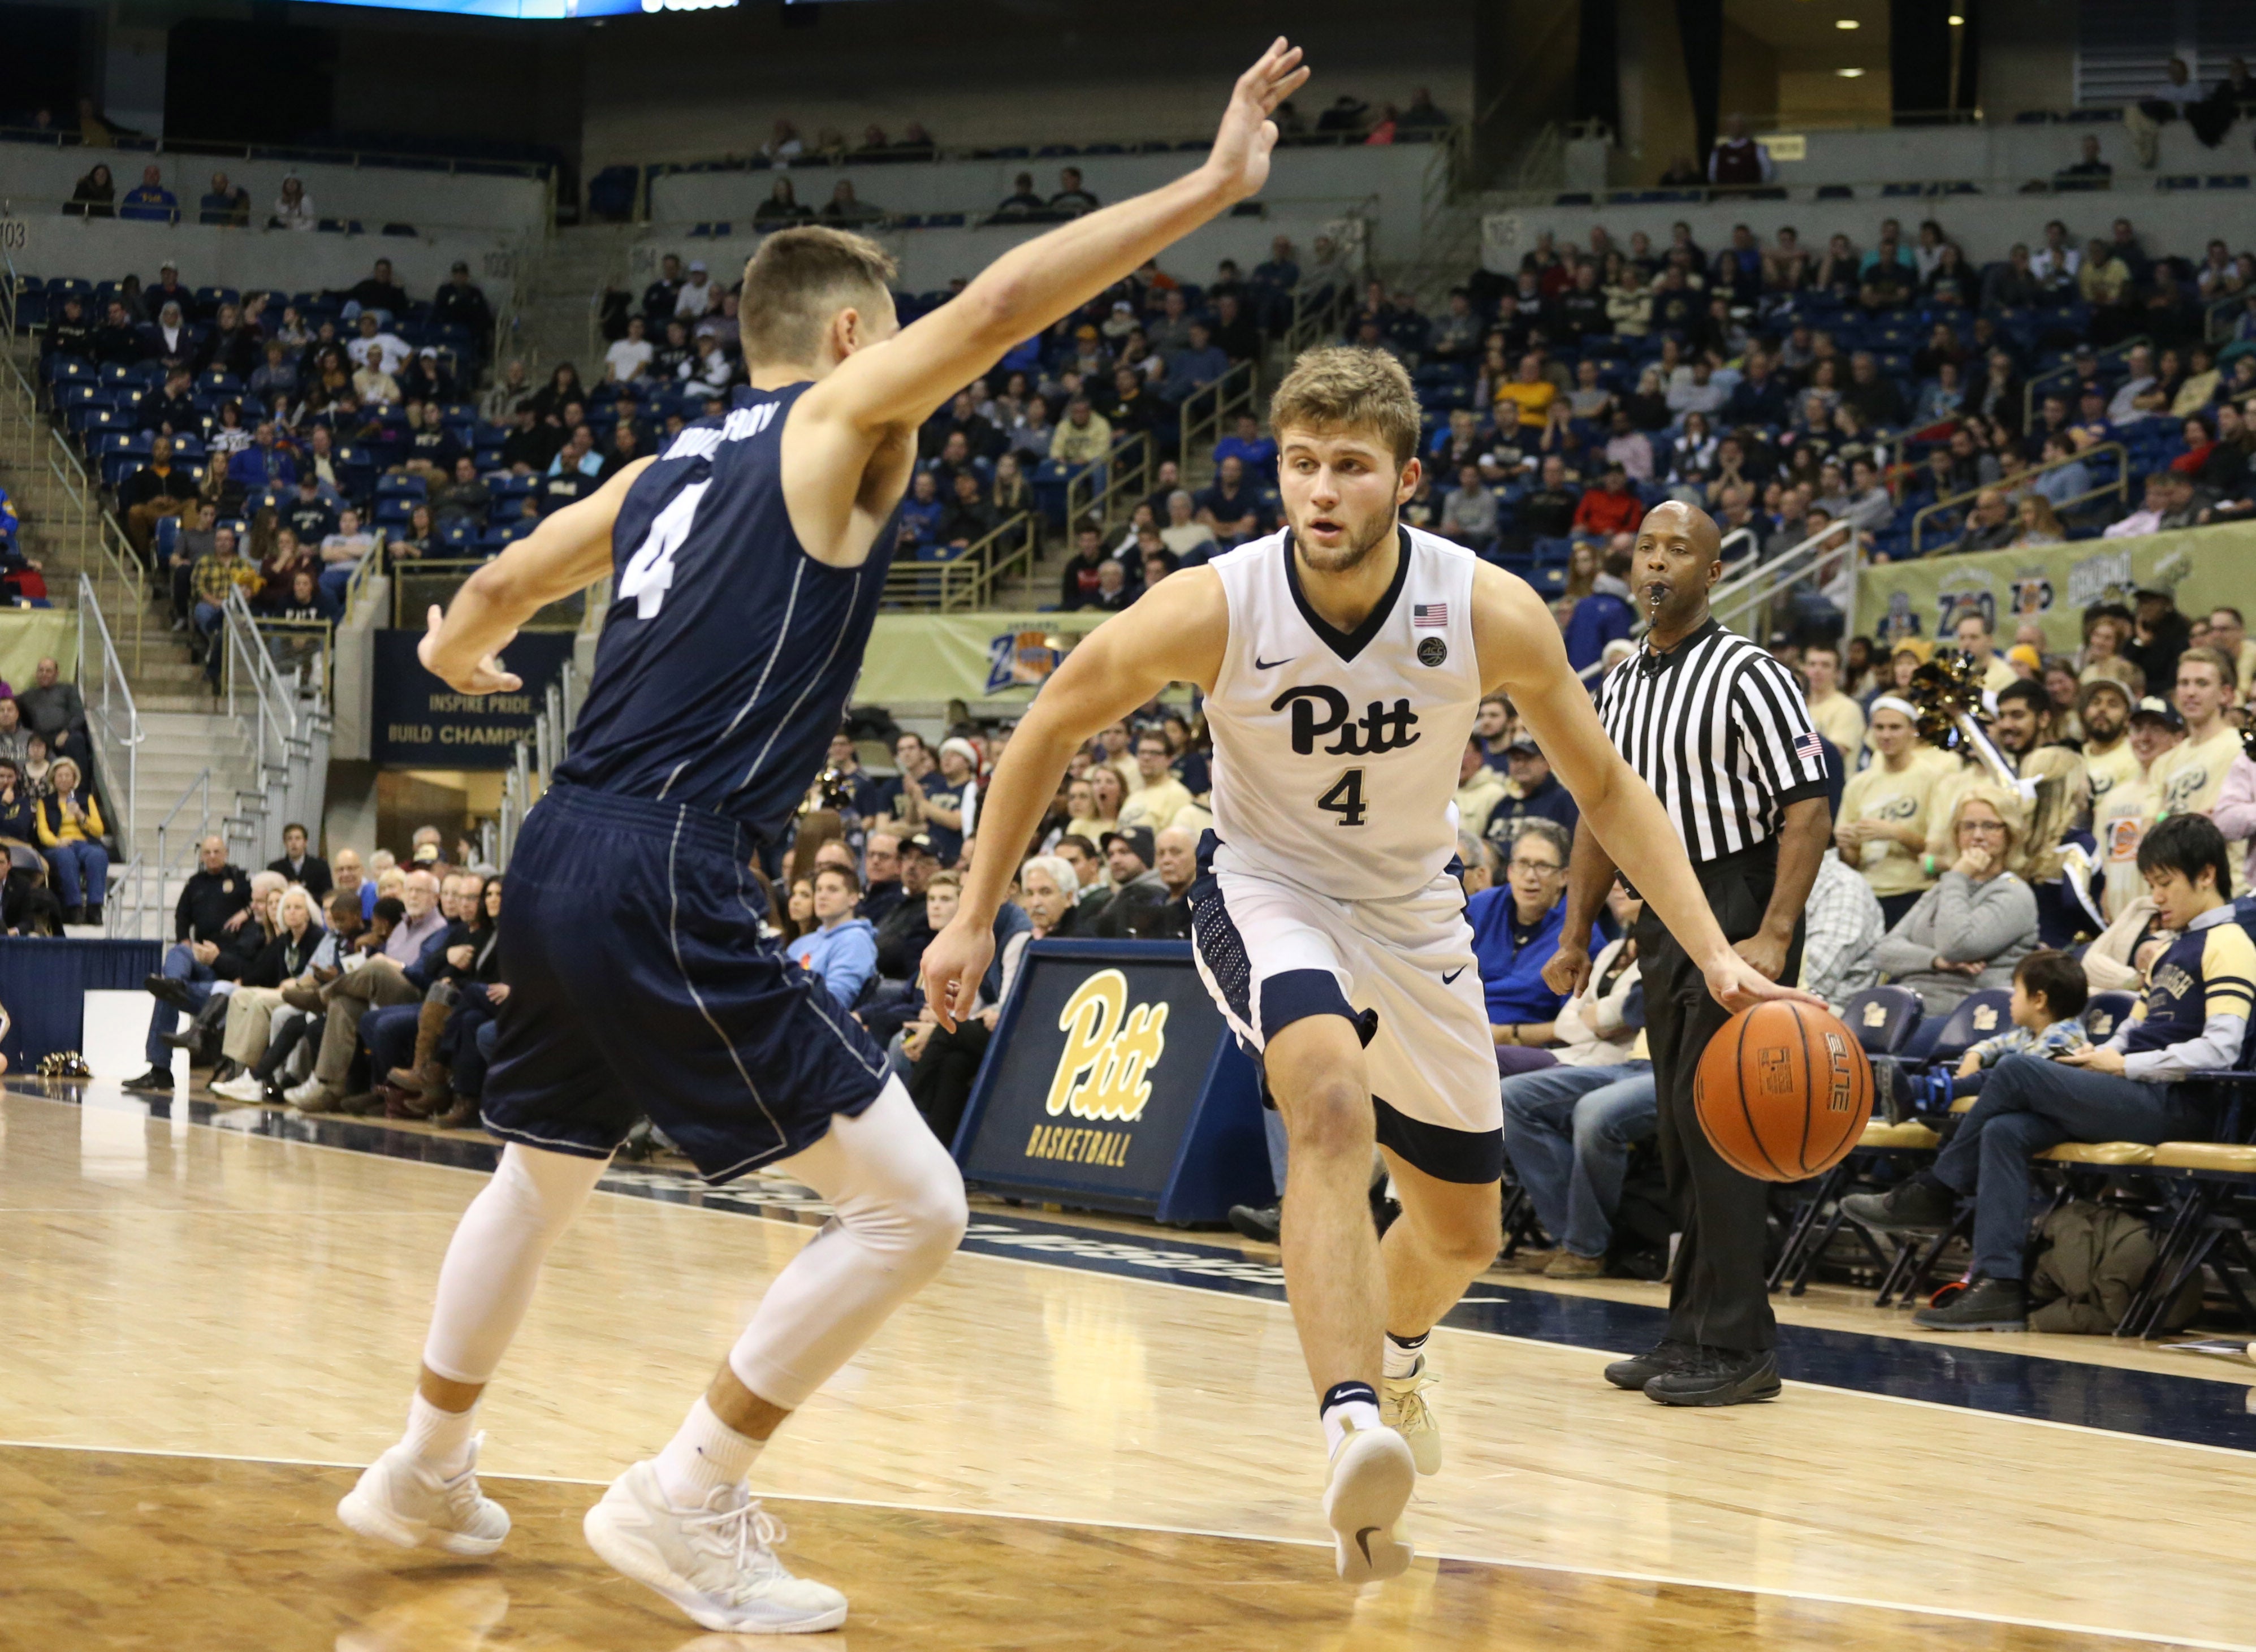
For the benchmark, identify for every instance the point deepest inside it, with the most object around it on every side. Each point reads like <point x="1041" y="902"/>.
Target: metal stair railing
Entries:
<point x="2018" y="482"/>
<point x="2032" y="393"/>
<point x="969" y="579"/>
<point x="531" y="762"/>
<point x="79" y="519"/>
<point x="289" y="724"/>
<point x="113" y="721"/>
<point x="114" y="729"/>
<point x="1206" y="412"/>
<point x="138" y="894"/>
<point x="1747" y="602"/>
<point x="1125" y="473"/>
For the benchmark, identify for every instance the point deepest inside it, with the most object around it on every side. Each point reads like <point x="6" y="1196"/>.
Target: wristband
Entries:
<point x="1928" y="863"/>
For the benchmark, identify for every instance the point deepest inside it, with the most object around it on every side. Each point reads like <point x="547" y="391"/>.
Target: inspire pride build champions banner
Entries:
<point x="2201" y="566"/>
<point x="418" y="720"/>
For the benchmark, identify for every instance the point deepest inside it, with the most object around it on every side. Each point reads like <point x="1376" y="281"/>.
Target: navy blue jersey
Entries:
<point x="729" y="652"/>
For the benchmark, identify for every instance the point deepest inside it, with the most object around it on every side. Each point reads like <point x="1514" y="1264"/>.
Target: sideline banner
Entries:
<point x="2203" y="566"/>
<point x="418" y="720"/>
<point x="984" y="656"/>
<point x="29" y="635"/>
<point x="1112" y="1083"/>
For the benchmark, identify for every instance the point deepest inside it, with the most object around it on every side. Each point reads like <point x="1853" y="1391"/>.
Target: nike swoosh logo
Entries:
<point x="1455" y="973"/>
<point x="1259" y="664"/>
<point x="1363" y="1541"/>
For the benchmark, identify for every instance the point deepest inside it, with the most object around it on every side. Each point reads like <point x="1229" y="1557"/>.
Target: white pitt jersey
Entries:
<point x="1336" y="754"/>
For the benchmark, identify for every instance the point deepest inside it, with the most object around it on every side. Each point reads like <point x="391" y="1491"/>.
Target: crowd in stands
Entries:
<point x="1347" y="119"/>
<point x="1890" y="391"/>
<point x="270" y="442"/>
<point x="224" y="203"/>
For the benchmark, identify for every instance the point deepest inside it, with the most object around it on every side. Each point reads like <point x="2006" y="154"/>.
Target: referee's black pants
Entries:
<point x="1716" y="1292"/>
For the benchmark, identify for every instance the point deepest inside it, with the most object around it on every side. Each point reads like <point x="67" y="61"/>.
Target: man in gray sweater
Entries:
<point x="1967" y="934"/>
<point x="56" y="712"/>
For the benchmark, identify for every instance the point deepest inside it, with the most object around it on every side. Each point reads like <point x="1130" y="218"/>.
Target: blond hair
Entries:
<point x="1342" y="387"/>
<point x="2227" y="668"/>
<point x="797" y="281"/>
<point x="2008" y="807"/>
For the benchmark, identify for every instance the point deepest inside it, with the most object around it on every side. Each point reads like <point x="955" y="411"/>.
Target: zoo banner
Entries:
<point x="1112" y="1082"/>
<point x="2203" y="566"/>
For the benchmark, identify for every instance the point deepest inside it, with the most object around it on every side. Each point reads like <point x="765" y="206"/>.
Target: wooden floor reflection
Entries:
<point x="166" y="1288"/>
<point x="102" y="1550"/>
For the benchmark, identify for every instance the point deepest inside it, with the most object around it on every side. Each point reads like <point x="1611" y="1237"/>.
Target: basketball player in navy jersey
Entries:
<point x="1343" y="660"/>
<point x="750" y="556"/>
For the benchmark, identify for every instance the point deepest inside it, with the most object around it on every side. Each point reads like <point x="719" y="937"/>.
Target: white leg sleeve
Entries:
<point x="900" y="1212"/>
<point x="494" y="1261"/>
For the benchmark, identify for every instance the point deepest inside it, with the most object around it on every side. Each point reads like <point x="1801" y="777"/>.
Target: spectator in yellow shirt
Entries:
<point x="2186" y="780"/>
<point x="1530" y="395"/>
<point x="1083" y="437"/>
<point x="1838" y="718"/>
<point x="1884" y="811"/>
<point x="71" y="832"/>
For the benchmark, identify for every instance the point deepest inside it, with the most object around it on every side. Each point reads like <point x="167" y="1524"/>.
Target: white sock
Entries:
<point x="1401" y="1354"/>
<point x="706" y="1455"/>
<point x="441" y="1440"/>
<point x="1348" y="1405"/>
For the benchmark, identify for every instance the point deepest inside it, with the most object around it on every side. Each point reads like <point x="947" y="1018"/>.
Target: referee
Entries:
<point x="1719" y="729"/>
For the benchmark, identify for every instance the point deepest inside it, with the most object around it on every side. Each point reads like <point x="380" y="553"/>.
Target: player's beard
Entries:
<point x="1368" y="538"/>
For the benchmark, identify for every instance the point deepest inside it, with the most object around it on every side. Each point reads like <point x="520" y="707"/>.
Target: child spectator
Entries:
<point x="2194" y="1018"/>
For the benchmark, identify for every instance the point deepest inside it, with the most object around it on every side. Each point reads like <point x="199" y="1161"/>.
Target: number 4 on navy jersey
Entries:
<point x="649" y="572"/>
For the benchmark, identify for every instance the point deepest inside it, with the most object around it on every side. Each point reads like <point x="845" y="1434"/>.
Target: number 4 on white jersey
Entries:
<point x="649" y="572"/>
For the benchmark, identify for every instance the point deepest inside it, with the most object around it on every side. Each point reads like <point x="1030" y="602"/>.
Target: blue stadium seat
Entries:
<point x="1980" y="1015"/>
<point x="1883" y="1018"/>
<point x="2105" y="1012"/>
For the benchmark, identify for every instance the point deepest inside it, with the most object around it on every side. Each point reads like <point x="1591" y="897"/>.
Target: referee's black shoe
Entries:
<point x="1718" y="1376"/>
<point x="1639" y="1369"/>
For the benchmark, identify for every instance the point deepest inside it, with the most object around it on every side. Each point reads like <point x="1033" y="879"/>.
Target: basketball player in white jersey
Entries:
<point x="751" y="557"/>
<point x="1343" y="661"/>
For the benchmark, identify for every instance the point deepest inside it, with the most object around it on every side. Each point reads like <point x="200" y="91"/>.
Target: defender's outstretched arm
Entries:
<point x="1523" y="657"/>
<point x="905" y="379"/>
<point x="1174" y="633"/>
<point x="568" y="552"/>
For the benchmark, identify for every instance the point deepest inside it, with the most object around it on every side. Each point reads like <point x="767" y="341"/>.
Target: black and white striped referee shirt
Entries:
<point x="1720" y="732"/>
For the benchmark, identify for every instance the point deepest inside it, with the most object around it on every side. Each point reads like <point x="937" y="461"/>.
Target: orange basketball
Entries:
<point x="1784" y="1091"/>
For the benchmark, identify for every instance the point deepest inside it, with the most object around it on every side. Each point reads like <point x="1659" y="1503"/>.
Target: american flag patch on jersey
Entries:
<point x="1809" y="746"/>
<point x="1431" y="616"/>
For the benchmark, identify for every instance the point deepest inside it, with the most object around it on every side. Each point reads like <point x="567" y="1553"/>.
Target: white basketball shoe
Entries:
<point x="1371" y="1475"/>
<point x="399" y="1500"/>
<point x="718" y="1564"/>
<point x="1403" y="1408"/>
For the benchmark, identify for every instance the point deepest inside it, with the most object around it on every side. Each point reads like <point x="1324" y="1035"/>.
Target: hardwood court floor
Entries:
<point x="288" y="1580"/>
<point x="1029" y="1455"/>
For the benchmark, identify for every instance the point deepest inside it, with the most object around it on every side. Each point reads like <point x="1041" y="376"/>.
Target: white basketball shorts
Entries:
<point x="1272" y="952"/>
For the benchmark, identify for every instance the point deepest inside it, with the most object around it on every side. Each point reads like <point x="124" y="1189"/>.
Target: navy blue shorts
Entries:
<point x="639" y="983"/>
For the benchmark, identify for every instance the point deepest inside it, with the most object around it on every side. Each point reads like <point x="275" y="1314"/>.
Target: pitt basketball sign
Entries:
<point x="1109" y="1051"/>
<point x="1111" y="1083"/>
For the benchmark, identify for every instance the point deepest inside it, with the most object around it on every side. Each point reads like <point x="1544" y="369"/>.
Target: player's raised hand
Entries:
<point x="1738" y="984"/>
<point x="955" y="964"/>
<point x="481" y="675"/>
<point x="1242" y="144"/>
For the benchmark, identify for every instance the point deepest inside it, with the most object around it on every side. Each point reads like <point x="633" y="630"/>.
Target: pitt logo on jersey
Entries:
<point x="1318" y="711"/>
<point x="1105" y="1070"/>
